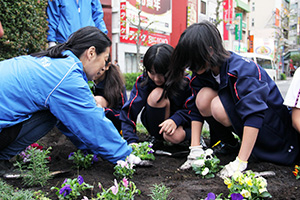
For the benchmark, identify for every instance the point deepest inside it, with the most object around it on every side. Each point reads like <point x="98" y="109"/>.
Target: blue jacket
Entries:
<point x="251" y="98"/>
<point x="138" y="100"/>
<point x="29" y="84"/>
<point x="66" y="16"/>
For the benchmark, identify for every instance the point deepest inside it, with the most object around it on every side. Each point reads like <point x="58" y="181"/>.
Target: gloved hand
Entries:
<point x="138" y="161"/>
<point x="195" y="152"/>
<point x="232" y="167"/>
<point x="133" y="159"/>
<point x="51" y="44"/>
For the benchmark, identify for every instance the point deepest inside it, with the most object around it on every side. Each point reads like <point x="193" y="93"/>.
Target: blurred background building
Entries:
<point x="268" y="27"/>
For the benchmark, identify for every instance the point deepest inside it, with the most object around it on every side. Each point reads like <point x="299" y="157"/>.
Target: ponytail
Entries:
<point x="78" y="42"/>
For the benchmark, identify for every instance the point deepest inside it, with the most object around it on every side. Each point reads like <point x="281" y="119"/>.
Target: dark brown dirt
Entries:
<point x="185" y="185"/>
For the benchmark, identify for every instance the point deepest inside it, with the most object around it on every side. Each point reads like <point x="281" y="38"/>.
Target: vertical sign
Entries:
<point x="238" y="27"/>
<point x="192" y="12"/>
<point x="225" y="18"/>
<point x="251" y="38"/>
<point x="123" y="18"/>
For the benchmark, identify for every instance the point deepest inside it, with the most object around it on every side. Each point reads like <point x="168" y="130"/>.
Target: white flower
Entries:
<point x="262" y="190"/>
<point x="205" y="171"/>
<point x="199" y="162"/>
<point x="122" y="163"/>
<point x="245" y="193"/>
<point x="209" y="152"/>
<point x="262" y="182"/>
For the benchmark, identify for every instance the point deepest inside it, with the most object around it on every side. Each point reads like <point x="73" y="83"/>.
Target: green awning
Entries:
<point x="243" y="5"/>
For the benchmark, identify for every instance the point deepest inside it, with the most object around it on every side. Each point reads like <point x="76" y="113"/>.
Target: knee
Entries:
<point x="177" y="137"/>
<point x="203" y="101"/>
<point x="219" y="113"/>
<point x="154" y="96"/>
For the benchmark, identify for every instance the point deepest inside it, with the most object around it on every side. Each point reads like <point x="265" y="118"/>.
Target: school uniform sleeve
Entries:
<point x="124" y="96"/>
<point x="252" y="97"/>
<point x="97" y="14"/>
<point x="53" y="13"/>
<point x="73" y="104"/>
<point x="292" y="98"/>
<point x="181" y="116"/>
<point x="131" y="109"/>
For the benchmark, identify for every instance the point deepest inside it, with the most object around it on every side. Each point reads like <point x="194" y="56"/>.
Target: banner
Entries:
<point x="148" y="39"/>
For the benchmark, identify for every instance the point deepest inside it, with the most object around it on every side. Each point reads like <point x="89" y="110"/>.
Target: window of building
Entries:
<point x="252" y="22"/>
<point x="253" y="6"/>
<point x="130" y="63"/>
<point x="203" y="7"/>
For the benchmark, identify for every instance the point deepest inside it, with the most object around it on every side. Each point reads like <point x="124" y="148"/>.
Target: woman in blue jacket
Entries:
<point x="40" y="89"/>
<point x="67" y="16"/>
<point x="236" y="92"/>
<point x="165" y="118"/>
<point x="110" y="92"/>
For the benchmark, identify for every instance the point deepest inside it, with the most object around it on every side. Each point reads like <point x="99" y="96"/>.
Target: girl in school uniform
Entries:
<point x="164" y="117"/>
<point x="110" y="92"/>
<point x="239" y="94"/>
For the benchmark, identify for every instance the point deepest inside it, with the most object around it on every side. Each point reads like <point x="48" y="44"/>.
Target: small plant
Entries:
<point x="207" y="164"/>
<point x="25" y="155"/>
<point x="9" y="192"/>
<point x="205" y="133"/>
<point x="35" y="171"/>
<point x="296" y="172"/>
<point x="83" y="159"/>
<point x="144" y="151"/>
<point x="124" y="169"/>
<point x="246" y="184"/>
<point x="124" y="190"/>
<point x="72" y="188"/>
<point x="160" y="192"/>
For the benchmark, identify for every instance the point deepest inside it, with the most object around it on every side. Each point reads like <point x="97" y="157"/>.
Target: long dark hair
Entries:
<point x="199" y="47"/>
<point x="157" y="58"/>
<point x="78" y="42"/>
<point x="114" y="85"/>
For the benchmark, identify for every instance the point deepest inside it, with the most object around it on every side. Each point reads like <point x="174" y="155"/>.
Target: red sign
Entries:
<point x="123" y="18"/>
<point x="147" y="38"/>
<point x="227" y="16"/>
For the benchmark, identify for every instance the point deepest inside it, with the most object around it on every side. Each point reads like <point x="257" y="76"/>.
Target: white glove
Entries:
<point x="51" y="44"/>
<point x="196" y="151"/>
<point x="232" y="167"/>
<point x="134" y="159"/>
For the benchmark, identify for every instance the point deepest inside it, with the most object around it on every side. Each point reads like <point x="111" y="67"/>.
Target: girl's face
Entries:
<point x="158" y="79"/>
<point x="94" y="64"/>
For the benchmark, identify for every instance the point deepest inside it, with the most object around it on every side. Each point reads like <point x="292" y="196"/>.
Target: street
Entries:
<point x="283" y="85"/>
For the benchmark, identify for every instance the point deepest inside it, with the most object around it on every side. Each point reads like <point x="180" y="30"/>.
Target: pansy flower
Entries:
<point x="66" y="190"/>
<point x="80" y="180"/>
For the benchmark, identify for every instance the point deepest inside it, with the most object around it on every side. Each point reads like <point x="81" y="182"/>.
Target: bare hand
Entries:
<point x="168" y="127"/>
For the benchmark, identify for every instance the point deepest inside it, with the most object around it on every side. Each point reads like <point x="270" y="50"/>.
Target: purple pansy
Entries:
<point x="71" y="154"/>
<point x="210" y="196"/>
<point x="95" y="159"/>
<point x="150" y="152"/>
<point x="80" y="180"/>
<point x="236" y="196"/>
<point x="65" y="190"/>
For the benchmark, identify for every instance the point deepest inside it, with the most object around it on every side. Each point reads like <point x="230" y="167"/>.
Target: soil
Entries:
<point x="185" y="185"/>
